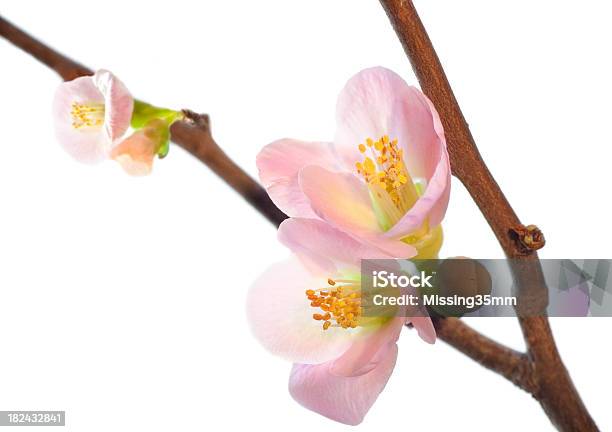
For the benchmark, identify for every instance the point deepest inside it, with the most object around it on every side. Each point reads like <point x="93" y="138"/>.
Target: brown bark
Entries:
<point x="553" y="387"/>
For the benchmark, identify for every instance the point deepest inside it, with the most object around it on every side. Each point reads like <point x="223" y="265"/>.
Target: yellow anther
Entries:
<point x="369" y="166"/>
<point x="390" y="183"/>
<point x="87" y="115"/>
<point x="362" y="148"/>
<point x="339" y="302"/>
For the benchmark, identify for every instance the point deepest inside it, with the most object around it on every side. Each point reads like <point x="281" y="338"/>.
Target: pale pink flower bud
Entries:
<point x="136" y="153"/>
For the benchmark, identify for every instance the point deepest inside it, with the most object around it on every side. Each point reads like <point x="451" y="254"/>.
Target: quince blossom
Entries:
<point x="308" y="310"/>
<point x="91" y="114"/>
<point x="385" y="179"/>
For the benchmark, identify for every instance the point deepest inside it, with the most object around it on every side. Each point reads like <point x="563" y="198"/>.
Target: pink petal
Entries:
<point x="136" y="153"/>
<point x="344" y="201"/>
<point x="85" y="145"/>
<point x="424" y="328"/>
<point x="324" y="246"/>
<point x="343" y="399"/>
<point x="279" y="164"/>
<point x="367" y="107"/>
<point x="378" y="102"/>
<point x="431" y="206"/>
<point x="339" y="198"/>
<point x="119" y="104"/>
<point x="364" y="355"/>
<point x="429" y="142"/>
<point x="280" y="316"/>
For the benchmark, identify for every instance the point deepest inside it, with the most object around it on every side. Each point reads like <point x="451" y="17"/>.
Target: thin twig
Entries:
<point x="553" y="386"/>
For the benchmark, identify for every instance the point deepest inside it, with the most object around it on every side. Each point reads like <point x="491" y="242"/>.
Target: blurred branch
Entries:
<point x="553" y="387"/>
<point x="65" y="67"/>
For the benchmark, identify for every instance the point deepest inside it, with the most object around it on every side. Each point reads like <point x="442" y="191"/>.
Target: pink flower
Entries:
<point x="136" y="153"/>
<point x="307" y="310"/>
<point x="385" y="179"/>
<point x="90" y="115"/>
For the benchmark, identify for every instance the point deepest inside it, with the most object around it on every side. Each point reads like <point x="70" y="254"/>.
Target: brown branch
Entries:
<point x="512" y="365"/>
<point x="554" y="388"/>
<point x="65" y="67"/>
<point x="193" y="133"/>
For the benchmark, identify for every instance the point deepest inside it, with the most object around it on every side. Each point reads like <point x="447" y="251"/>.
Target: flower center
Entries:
<point x="391" y="188"/>
<point x="339" y="302"/>
<point x="87" y="115"/>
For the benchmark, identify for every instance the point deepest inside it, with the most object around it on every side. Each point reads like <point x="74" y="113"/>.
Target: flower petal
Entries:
<point x="364" y="355"/>
<point x="119" y="104"/>
<point x="378" y="102"/>
<point x="428" y="159"/>
<point x="85" y="145"/>
<point x="281" y="317"/>
<point x="366" y="108"/>
<point x="344" y="201"/>
<point x="424" y="327"/>
<point x="323" y="246"/>
<point x="343" y="399"/>
<point x="279" y="164"/>
<point x="339" y="198"/>
<point x="431" y="206"/>
<point x="136" y="153"/>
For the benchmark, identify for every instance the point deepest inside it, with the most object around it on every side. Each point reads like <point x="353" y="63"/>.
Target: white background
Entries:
<point x="122" y="300"/>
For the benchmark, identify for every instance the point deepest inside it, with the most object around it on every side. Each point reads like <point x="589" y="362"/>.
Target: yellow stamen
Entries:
<point x="391" y="187"/>
<point x="87" y="115"/>
<point x="340" y="302"/>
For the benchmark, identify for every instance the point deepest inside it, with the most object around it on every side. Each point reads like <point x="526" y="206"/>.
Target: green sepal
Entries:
<point x="164" y="146"/>
<point x="143" y="113"/>
<point x="146" y="115"/>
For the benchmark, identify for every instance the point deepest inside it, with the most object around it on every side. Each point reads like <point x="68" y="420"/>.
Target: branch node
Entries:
<point x="528" y="238"/>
